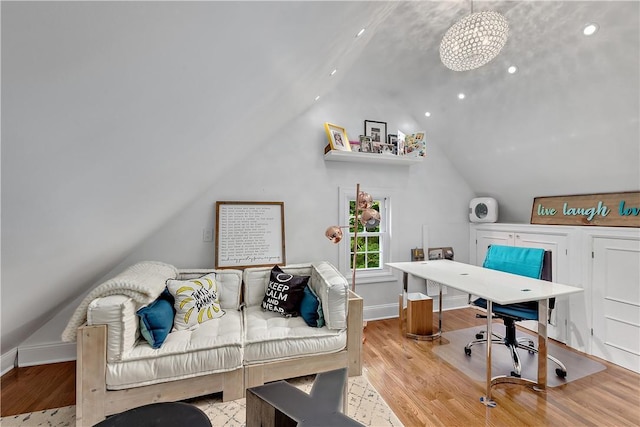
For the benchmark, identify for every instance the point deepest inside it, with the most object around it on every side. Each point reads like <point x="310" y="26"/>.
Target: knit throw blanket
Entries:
<point x="143" y="282"/>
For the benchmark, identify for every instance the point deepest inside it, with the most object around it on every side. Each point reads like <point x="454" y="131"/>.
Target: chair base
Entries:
<point x="513" y="343"/>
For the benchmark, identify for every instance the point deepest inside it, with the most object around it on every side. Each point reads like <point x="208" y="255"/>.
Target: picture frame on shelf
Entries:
<point x="415" y="145"/>
<point x="376" y="130"/>
<point x="387" y="149"/>
<point x="401" y="143"/>
<point x="366" y="144"/>
<point x="337" y="136"/>
<point x="393" y="141"/>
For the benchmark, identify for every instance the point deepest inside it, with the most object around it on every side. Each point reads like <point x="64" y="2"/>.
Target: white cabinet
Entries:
<point x="614" y="283"/>
<point x="554" y="239"/>
<point x="604" y="320"/>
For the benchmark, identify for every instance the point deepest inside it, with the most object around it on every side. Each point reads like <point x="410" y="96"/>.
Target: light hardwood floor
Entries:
<point x="418" y="386"/>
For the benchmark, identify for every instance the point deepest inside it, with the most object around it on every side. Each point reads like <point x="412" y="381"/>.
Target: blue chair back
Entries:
<point x="516" y="260"/>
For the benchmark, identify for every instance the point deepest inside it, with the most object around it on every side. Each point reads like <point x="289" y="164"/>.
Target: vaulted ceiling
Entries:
<point x="101" y="99"/>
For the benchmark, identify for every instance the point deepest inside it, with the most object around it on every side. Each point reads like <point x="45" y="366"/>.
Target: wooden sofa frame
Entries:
<point x="94" y="402"/>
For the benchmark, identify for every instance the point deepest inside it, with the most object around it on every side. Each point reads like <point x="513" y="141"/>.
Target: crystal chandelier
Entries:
<point x="474" y="40"/>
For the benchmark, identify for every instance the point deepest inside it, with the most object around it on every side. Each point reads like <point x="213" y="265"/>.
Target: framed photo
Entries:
<point x="249" y="234"/>
<point x="337" y="135"/>
<point x="400" y="143"/>
<point x="366" y="144"/>
<point x="393" y="141"/>
<point x="376" y="130"/>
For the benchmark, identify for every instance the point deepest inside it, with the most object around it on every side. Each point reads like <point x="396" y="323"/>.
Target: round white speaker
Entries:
<point x="483" y="209"/>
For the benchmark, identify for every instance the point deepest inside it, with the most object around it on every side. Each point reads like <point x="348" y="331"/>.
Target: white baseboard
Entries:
<point x="46" y="353"/>
<point x="389" y="311"/>
<point x="8" y="361"/>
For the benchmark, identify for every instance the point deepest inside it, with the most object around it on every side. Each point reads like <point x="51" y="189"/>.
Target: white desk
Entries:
<point x="496" y="287"/>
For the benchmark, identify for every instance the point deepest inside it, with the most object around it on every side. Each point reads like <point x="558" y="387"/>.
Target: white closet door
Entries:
<point x="557" y="244"/>
<point x="616" y="301"/>
<point x="486" y="238"/>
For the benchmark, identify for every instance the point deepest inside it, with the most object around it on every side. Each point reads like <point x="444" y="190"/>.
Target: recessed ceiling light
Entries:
<point x="427" y="114"/>
<point x="317" y="97"/>
<point x="461" y="95"/>
<point x="333" y="72"/>
<point x="360" y="33"/>
<point x="590" y="29"/>
<point x="512" y="69"/>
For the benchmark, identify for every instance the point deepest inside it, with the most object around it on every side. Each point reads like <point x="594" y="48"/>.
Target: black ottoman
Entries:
<point x="170" y="414"/>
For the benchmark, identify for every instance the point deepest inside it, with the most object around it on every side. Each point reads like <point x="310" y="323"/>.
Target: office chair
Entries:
<point x="529" y="262"/>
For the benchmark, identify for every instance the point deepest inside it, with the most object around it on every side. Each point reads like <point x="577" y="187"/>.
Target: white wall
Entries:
<point x="289" y="166"/>
<point x="116" y="115"/>
<point x="123" y="123"/>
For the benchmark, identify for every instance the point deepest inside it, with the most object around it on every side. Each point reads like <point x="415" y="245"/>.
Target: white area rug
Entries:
<point x="474" y="366"/>
<point x="365" y="406"/>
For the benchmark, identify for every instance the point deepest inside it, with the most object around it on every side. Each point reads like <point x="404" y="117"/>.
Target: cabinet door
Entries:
<point x="557" y="244"/>
<point x="616" y="301"/>
<point x="485" y="238"/>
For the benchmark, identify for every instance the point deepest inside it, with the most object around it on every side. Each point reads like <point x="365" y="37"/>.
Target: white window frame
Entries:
<point x="382" y="274"/>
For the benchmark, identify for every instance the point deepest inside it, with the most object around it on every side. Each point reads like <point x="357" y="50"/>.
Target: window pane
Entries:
<point x="373" y="243"/>
<point x="373" y="260"/>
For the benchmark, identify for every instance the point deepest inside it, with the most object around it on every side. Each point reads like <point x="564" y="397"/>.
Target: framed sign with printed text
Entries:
<point x="249" y="234"/>
<point x="605" y="209"/>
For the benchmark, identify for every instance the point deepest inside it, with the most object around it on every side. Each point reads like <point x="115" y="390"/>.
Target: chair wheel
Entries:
<point x="561" y="373"/>
<point x="531" y="343"/>
<point x="479" y="336"/>
<point x="513" y="374"/>
<point x="532" y="352"/>
<point x="467" y="351"/>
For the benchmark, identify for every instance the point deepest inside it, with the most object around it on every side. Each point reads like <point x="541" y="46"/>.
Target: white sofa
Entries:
<point x="118" y="370"/>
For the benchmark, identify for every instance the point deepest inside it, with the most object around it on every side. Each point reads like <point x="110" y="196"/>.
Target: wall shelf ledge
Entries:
<point x="355" y="157"/>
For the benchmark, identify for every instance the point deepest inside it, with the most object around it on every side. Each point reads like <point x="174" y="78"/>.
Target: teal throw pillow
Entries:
<point x="156" y="319"/>
<point x="311" y="309"/>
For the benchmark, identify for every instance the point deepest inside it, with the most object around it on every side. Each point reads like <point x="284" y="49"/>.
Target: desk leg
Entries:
<point x="439" y="308"/>
<point x="542" y="344"/>
<point x="486" y="399"/>
<point x="403" y="295"/>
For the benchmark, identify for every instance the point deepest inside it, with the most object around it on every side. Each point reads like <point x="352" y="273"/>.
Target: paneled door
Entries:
<point x="616" y="301"/>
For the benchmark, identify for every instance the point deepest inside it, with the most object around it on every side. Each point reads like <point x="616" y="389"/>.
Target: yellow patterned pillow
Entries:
<point x="196" y="301"/>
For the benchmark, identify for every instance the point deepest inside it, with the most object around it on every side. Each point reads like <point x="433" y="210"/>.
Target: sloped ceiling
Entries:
<point x="100" y="100"/>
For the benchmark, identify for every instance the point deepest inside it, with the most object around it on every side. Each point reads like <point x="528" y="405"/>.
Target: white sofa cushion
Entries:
<point x="270" y="336"/>
<point x="327" y="283"/>
<point x="333" y="290"/>
<point x="229" y="284"/>
<point x="118" y="312"/>
<point x="216" y="346"/>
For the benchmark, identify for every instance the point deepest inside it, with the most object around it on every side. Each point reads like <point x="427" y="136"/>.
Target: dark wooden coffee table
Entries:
<point x="283" y="405"/>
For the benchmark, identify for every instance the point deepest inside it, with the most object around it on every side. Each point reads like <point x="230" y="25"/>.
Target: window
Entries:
<point x="373" y="245"/>
<point x="368" y="248"/>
